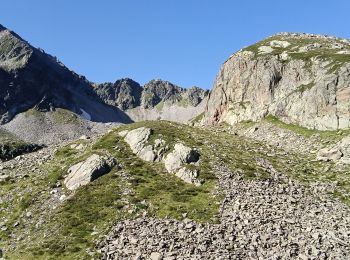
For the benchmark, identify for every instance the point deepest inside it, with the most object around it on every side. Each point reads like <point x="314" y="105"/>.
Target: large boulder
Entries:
<point x="89" y="170"/>
<point x="340" y="152"/>
<point x="178" y="160"/>
<point x="179" y="156"/>
<point x="138" y="142"/>
<point x="189" y="176"/>
<point x="329" y="154"/>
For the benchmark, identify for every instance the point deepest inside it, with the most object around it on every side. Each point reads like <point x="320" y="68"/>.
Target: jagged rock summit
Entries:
<point x="157" y="99"/>
<point x="300" y="78"/>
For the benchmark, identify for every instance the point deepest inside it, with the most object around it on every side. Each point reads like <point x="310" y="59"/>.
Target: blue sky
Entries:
<point x="183" y="41"/>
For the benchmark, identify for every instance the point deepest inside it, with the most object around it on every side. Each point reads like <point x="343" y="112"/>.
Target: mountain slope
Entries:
<point x="31" y="78"/>
<point x="257" y="200"/>
<point x="300" y="78"/>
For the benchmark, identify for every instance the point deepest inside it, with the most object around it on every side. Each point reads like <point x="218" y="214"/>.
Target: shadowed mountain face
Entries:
<point x="31" y="78"/>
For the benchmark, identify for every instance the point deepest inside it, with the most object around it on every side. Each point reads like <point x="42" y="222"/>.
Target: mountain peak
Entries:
<point x="2" y="28"/>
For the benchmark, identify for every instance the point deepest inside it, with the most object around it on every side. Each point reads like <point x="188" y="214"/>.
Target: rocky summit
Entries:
<point x="157" y="99"/>
<point x="256" y="168"/>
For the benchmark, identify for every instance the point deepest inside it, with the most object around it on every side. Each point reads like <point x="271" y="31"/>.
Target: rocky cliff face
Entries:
<point x="300" y="78"/>
<point x="31" y="78"/>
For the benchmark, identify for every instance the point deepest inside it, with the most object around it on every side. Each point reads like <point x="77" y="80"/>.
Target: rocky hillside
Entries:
<point x="31" y="78"/>
<point x="302" y="79"/>
<point x="161" y="190"/>
<point x="158" y="99"/>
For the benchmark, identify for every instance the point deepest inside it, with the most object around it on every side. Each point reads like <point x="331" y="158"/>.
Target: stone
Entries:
<point x="179" y="156"/>
<point x="138" y="142"/>
<point x="155" y="256"/>
<point x="279" y="44"/>
<point x="189" y="176"/>
<point x="329" y="154"/>
<point x="265" y="49"/>
<point x="339" y="152"/>
<point x="89" y="170"/>
<point x="4" y="178"/>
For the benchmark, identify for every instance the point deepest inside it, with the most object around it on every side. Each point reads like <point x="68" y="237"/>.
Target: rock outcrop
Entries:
<point x="177" y="162"/>
<point x="11" y="150"/>
<point x="179" y="156"/>
<point x="302" y="79"/>
<point x="89" y="170"/>
<point x="137" y="139"/>
<point x="340" y="152"/>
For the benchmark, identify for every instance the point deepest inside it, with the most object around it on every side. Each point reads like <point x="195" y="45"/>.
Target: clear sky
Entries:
<point x="183" y="41"/>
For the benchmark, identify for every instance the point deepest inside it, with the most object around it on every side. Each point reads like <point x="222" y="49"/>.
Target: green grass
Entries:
<point x="67" y="232"/>
<point x="184" y="102"/>
<point x="247" y="123"/>
<point x="323" y="53"/>
<point x="63" y="116"/>
<point x="326" y="135"/>
<point x="160" y="106"/>
<point x="198" y="118"/>
<point x="304" y="87"/>
<point x="59" y="116"/>
<point x="98" y="205"/>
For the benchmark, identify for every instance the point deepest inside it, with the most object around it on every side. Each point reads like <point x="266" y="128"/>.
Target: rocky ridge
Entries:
<point x="157" y="99"/>
<point x="31" y="78"/>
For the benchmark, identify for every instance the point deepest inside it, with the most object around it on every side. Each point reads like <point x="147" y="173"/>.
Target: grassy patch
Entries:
<point x="197" y="119"/>
<point x="326" y="135"/>
<point x="160" y="106"/>
<point x="304" y="87"/>
<point x="95" y="207"/>
<point x="325" y="52"/>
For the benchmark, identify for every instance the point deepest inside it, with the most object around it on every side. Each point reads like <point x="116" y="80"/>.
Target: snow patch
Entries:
<point x="85" y="114"/>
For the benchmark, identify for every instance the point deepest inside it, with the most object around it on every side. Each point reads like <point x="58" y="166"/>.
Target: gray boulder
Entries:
<point x="176" y="161"/>
<point x="329" y="154"/>
<point x="89" y="170"/>
<point x="138" y="138"/>
<point x="179" y="156"/>
<point x="189" y="176"/>
<point x="340" y="152"/>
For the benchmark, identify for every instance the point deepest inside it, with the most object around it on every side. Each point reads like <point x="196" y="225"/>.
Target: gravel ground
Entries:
<point x="273" y="219"/>
<point x="45" y="130"/>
